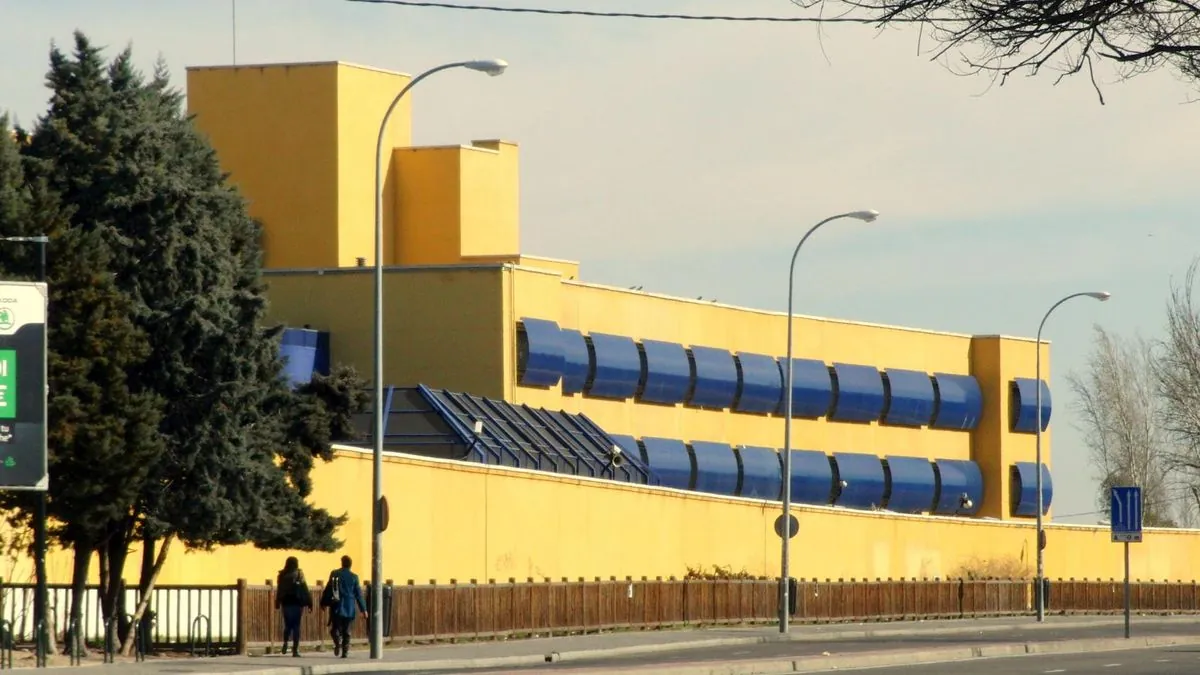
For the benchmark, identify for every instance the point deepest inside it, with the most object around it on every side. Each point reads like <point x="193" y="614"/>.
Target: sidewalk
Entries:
<point x="515" y="653"/>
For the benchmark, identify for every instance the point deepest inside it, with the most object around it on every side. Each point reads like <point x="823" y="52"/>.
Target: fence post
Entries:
<point x="389" y="593"/>
<point x="961" y="602"/>
<point x="240" y="633"/>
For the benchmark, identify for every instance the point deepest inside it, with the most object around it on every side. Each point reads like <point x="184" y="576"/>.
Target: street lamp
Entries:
<point x="492" y="67"/>
<point x="786" y="529"/>
<point x="1040" y="591"/>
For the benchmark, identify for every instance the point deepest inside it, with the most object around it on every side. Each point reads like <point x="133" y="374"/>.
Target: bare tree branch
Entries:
<point x="1003" y="37"/>
<point x="1119" y="411"/>
<point x="1177" y="371"/>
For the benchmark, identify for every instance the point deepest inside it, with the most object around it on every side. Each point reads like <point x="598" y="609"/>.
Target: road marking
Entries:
<point x="1056" y="670"/>
<point x="1162" y="660"/>
<point x="1111" y="665"/>
<point x="743" y="652"/>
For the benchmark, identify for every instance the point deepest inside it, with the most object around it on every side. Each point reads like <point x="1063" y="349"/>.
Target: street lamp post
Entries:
<point x="1040" y="591"/>
<point x="39" y="519"/>
<point x="492" y="67"/>
<point x="786" y="528"/>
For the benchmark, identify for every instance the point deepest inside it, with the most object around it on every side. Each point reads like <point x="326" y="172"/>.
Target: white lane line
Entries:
<point x="743" y="652"/>
<point x="1162" y="660"/>
<point x="1111" y="665"/>
<point x="1057" y="670"/>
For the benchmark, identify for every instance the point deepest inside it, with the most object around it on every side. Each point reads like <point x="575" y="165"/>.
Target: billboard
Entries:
<point x="23" y="311"/>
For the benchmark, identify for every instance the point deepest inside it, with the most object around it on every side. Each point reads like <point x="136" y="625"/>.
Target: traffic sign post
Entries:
<point x="1125" y="512"/>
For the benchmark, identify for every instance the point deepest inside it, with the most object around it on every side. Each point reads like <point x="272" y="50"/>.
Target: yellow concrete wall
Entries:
<point x="451" y="520"/>
<point x="364" y="95"/>
<point x="569" y="269"/>
<point x="490" y="199"/>
<point x="275" y="131"/>
<point x="299" y="142"/>
<point x="456" y="202"/>
<point x="566" y="268"/>
<point x="592" y="308"/>
<point x="442" y="326"/>
<point x="995" y="361"/>
<point x="428" y="205"/>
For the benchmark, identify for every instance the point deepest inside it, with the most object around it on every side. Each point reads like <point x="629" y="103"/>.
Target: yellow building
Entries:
<point x="690" y="391"/>
<point x="630" y="433"/>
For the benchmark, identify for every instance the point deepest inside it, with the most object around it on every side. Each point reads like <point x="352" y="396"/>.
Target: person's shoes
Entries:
<point x="337" y="650"/>
<point x="296" y="653"/>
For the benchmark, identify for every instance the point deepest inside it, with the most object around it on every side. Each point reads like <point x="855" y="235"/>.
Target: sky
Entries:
<point x="688" y="157"/>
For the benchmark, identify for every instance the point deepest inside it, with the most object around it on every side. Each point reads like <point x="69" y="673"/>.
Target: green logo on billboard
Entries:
<point x="10" y="463"/>
<point x="6" y="318"/>
<point x="8" y="384"/>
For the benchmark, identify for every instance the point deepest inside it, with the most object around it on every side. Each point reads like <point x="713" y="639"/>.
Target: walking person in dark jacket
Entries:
<point x="343" y="596"/>
<point x="292" y="596"/>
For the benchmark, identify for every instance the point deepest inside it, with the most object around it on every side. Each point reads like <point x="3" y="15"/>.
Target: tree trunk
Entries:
<point x="149" y="542"/>
<point x="148" y="557"/>
<point x="107" y="627"/>
<point x="79" y="577"/>
<point x="41" y="611"/>
<point x="102" y="557"/>
<point x="117" y="550"/>
<point x="147" y="590"/>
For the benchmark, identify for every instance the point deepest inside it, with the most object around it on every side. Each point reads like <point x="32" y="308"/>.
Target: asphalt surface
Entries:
<point x="1164" y="661"/>
<point x="783" y="650"/>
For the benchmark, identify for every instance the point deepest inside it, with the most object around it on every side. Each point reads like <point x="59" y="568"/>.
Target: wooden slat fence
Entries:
<point x="243" y="616"/>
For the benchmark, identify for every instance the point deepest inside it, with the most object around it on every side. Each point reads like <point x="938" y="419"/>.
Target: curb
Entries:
<point x="822" y="664"/>
<point x="954" y="653"/>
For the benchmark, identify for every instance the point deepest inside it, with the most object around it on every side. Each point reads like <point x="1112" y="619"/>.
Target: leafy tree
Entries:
<point x="150" y="212"/>
<point x="14" y="196"/>
<point x="97" y="428"/>
<point x="18" y="262"/>
<point x="1002" y="37"/>
<point x="104" y="434"/>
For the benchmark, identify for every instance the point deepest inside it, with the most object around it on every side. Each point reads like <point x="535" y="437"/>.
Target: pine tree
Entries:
<point x="19" y="262"/>
<point x="104" y="436"/>
<point x="232" y="450"/>
<point x="14" y="199"/>
<point x="236" y="492"/>
<point x="101" y="436"/>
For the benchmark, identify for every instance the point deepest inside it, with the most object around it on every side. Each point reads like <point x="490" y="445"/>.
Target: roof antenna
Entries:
<point x="233" y="8"/>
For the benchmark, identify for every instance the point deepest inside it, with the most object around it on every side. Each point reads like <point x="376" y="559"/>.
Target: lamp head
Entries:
<point x="867" y="216"/>
<point x="492" y="67"/>
<point x="1100" y="295"/>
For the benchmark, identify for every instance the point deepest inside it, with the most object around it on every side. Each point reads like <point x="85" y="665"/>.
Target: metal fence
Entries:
<point x="242" y="616"/>
<point x="177" y="615"/>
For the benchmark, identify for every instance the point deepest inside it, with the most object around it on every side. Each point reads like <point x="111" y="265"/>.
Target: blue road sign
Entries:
<point x="1126" y="514"/>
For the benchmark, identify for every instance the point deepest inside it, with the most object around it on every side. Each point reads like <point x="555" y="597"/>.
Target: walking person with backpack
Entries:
<point x="292" y="596"/>
<point x="343" y="596"/>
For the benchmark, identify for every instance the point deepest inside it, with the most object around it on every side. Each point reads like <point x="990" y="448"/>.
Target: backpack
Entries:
<point x="301" y="594"/>
<point x="291" y="588"/>
<point x="332" y="595"/>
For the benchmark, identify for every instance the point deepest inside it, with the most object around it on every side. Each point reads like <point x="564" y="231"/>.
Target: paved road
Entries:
<point x="783" y="650"/>
<point x="1165" y="661"/>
